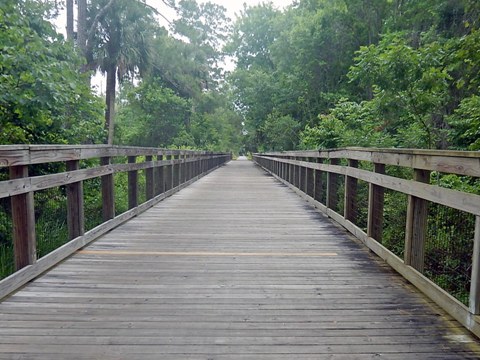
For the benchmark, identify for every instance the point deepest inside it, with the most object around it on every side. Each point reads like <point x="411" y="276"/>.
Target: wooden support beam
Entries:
<point x="23" y="218"/>
<point x="416" y="228"/>
<point x="310" y="188"/>
<point x="474" y="301"/>
<point x="304" y="183"/>
<point x="181" y="169"/>
<point x="188" y="168"/>
<point x="351" y="185"/>
<point x="376" y="196"/>
<point x="132" y="185"/>
<point x="75" y="204"/>
<point x="291" y="172"/>
<point x="159" y="177"/>
<point x="108" y="193"/>
<point x="319" y="185"/>
<point x="149" y="180"/>
<point x="168" y="174"/>
<point x="299" y="173"/>
<point x="175" y="172"/>
<point x="332" y="187"/>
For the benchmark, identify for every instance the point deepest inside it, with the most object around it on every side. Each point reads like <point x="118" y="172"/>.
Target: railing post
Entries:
<point x="175" y="171"/>
<point x="23" y="218"/>
<point x="291" y="172"/>
<point x="474" y="301"/>
<point x="351" y="184"/>
<point x="75" y="205"/>
<point x="132" y="184"/>
<point x="319" y="186"/>
<point x="299" y="174"/>
<point x="416" y="229"/>
<point x="194" y="164"/>
<point x="168" y="173"/>
<point x="108" y="195"/>
<point x="294" y="172"/>
<point x="149" y="180"/>
<point x="304" y="184"/>
<point x="311" y="179"/>
<point x="376" y="195"/>
<point x="181" y="168"/>
<point x="159" y="176"/>
<point x="188" y="171"/>
<point x="332" y="186"/>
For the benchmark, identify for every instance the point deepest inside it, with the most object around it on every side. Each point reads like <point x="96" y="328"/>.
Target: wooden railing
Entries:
<point x="352" y="187"/>
<point x="164" y="173"/>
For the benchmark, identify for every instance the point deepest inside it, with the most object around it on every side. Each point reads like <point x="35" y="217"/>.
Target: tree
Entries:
<point x="70" y="27"/>
<point x="151" y="115"/>
<point x="253" y="34"/>
<point x="119" y="44"/>
<point x="205" y="28"/>
<point x="42" y="98"/>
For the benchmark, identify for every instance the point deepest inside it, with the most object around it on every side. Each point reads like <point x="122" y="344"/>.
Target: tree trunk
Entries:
<point x="110" y="102"/>
<point x="70" y="32"/>
<point x="82" y="26"/>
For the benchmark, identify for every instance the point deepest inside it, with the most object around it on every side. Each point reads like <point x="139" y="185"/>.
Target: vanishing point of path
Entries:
<point x="234" y="267"/>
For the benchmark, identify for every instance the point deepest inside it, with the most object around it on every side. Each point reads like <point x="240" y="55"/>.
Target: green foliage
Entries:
<point x="122" y="36"/>
<point x="348" y="124"/>
<point x="327" y="60"/>
<point x="42" y="97"/>
<point x="281" y="132"/>
<point x="253" y="34"/>
<point x="326" y="135"/>
<point x="410" y="87"/>
<point x="216" y="131"/>
<point x="151" y="115"/>
<point x="205" y="26"/>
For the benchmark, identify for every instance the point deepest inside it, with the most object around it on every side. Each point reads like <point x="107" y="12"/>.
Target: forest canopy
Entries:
<point x="317" y="74"/>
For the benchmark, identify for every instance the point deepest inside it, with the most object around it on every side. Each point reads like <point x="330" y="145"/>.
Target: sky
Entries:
<point x="233" y="6"/>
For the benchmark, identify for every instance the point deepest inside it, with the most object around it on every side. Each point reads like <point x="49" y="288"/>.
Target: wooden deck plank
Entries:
<point x="234" y="267"/>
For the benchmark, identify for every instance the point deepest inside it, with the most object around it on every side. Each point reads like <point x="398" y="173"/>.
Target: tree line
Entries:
<point x="383" y="73"/>
<point x="318" y="74"/>
<point x="164" y="85"/>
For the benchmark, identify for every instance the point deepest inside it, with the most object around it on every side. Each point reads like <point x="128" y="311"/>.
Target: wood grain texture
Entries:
<point x="23" y="222"/>
<point x="447" y="161"/>
<point x="236" y="266"/>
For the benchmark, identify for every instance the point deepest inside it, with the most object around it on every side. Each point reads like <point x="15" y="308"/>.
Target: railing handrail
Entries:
<point x="449" y="161"/>
<point x="302" y="171"/>
<point x="166" y="172"/>
<point x="14" y="155"/>
<point x="408" y="151"/>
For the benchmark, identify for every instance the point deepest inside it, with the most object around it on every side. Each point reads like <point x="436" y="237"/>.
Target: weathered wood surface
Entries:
<point x="235" y="266"/>
<point x="452" y="198"/>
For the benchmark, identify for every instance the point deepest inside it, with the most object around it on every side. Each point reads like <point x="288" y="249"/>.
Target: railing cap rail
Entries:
<point x="341" y="151"/>
<point x="445" y="161"/>
<point x="15" y="155"/>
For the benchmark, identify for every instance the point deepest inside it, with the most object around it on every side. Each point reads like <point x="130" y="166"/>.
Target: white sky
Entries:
<point x="233" y="6"/>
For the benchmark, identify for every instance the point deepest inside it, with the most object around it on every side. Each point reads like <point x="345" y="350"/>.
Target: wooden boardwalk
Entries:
<point x="234" y="267"/>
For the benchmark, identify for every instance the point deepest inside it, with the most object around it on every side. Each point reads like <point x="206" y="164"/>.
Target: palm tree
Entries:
<point x="119" y="44"/>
